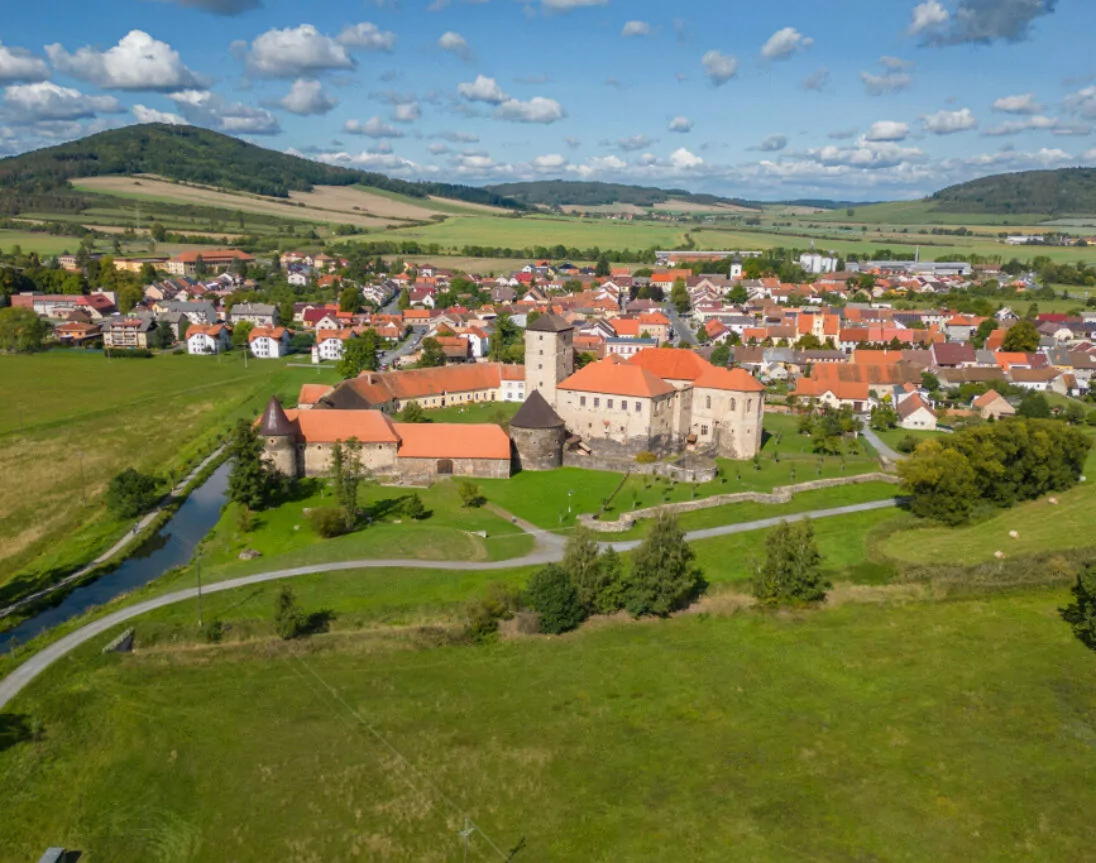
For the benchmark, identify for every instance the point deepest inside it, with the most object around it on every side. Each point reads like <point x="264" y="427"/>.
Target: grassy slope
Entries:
<point x="854" y="733"/>
<point x="150" y="414"/>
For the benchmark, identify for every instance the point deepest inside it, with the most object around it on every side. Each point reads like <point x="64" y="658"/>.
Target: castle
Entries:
<point x="661" y="401"/>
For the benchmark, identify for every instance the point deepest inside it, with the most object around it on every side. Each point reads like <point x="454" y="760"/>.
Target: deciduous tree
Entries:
<point x="1021" y="337"/>
<point x="1081" y="613"/>
<point x="792" y="571"/>
<point x="553" y="595"/>
<point x="663" y="577"/>
<point x="131" y="493"/>
<point x="21" y="330"/>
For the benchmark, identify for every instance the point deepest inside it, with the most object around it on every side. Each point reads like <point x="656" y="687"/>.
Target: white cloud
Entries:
<point x="407" y="112"/>
<point x="1083" y="102"/>
<point x="389" y="163"/>
<point x="567" y="5"/>
<point x="773" y="143"/>
<point x="887" y="130"/>
<point x="44" y="100"/>
<point x="306" y="98"/>
<point x="818" y="80"/>
<point x="636" y="28"/>
<point x="293" y="53"/>
<point x="896" y="64"/>
<point x="635" y="142"/>
<point x="949" y="122"/>
<point x="784" y="43"/>
<point x="1036" y="123"/>
<point x="137" y="62"/>
<point x="18" y="64"/>
<point x="682" y="159"/>
<point x="437" y="148"/>
<point x="681" y="124"/>
<point x="374" y="127"/>
<point x="367" y="37"/>
<point x="457" y="137"/>
<point x="483" y="89"/>
<point x="719" y="68"/>
<point x="203" y="108"/>
<point x="572" y="142"/>
<point x="1089" y="156"/>
<point x="455" y="44"/>
<point x="867" y="154"/>
<point x="536" y="110"/>
<point x="928" y="17"/>
<point x="549" y="163"/>
<point x="150" y="115"/>
<point x="1025" y="103"/>
<point x="888" y="82"/>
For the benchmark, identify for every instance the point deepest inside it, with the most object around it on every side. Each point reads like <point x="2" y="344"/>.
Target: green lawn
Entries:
<point x="73" y="420"/>
<point x="476" y="412"/>
<point x="923" y="731"/>
<point x="891" y="437"/>
<point x="34" y="241"/>
<point x="285" y="537"/>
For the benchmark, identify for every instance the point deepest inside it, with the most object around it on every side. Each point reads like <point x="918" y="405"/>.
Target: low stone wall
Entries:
<point x="687" y="473"/>
<point x="781" y="494"/>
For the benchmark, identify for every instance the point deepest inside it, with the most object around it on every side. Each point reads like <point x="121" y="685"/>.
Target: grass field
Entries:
<point x="73" y="420"/>
<point x="33" y="241"/>
<point x="857" y="732"/>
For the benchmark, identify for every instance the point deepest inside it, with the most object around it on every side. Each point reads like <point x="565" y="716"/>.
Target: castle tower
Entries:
<point x="538" y="434"/>
<point x="549" y="355"/>
<point x="279" y="438"/>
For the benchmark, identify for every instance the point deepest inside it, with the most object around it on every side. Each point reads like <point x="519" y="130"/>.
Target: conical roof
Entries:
<point x="274" y="422"/>
<point x="536" y="413"/>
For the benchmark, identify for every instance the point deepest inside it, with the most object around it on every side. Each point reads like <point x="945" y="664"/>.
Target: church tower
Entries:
<point x="549" y="355"/>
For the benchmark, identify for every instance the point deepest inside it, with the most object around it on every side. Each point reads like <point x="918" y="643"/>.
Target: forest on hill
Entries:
<point x="40" y="179"/>
<point x="564" y="193"/>
<point x="1066" y="191"/>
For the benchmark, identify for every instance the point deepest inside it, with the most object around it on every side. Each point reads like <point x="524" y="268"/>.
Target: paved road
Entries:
<point x="682" y="330"/>
<point x="140" y="525"/>
<point x="550" y="552"/>
<point x="880" y="447"/>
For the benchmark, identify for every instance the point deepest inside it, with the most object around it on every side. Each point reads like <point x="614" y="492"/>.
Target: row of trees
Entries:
<point x="999" y="463"/>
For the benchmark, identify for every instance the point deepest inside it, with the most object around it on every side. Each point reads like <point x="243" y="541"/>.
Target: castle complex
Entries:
<point x="661" y="401"/>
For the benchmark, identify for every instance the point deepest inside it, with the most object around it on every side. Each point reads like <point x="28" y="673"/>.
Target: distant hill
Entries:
<point x="1067" y="191"/>
<point x="194" y="155"/>
<point x="576" y="193"/>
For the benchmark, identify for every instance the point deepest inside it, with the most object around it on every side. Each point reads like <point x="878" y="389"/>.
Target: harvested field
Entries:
<point x="162" y="190"/>
<point x="353" y="200"/>
<point x="691" y="207"/>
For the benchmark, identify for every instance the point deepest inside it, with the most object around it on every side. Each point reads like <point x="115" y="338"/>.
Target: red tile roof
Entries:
<point x="735" y="380"/>
<point x="613" y="376"/>
<point x="451" y="440"/>
<point x="330" y="426"/>
<point x="674" y="364"/>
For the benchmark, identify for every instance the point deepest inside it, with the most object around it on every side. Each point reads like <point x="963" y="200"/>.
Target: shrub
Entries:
<point x="413" y="507"/>
<point x="553" y="595"/>
<point x="646" y="457"/>
<point x="663" y="578"/>
<point x="245" y="519"/>
<point x="214" y="631"/>
<point x="499" y="602"/>
<point x="907" y="444"/>
<point x="130" y="493"/>
<point x="289" y="621"/>
<point x="792" y="571"/>
<point x="1081" y="613"/>
<point x="327" y="521"/>
<point x="469" y="493"/>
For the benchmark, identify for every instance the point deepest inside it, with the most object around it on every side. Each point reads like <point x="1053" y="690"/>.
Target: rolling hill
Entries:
<point x="1066" y="191"/>
<point x="561" y="193"/>
<point x="194" y="155"/>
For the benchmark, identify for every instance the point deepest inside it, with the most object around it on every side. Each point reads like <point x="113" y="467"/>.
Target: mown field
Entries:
<point x="897" y="731"/>
<point x="74" y="420"/>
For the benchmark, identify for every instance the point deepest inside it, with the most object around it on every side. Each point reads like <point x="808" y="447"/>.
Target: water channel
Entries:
<point x="172" y="546"/>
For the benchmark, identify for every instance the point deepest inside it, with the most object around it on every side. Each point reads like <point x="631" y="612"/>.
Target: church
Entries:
<point x="662" y="401"/>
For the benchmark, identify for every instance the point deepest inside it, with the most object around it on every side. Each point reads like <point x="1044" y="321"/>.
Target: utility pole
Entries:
<point x="198" y="565"/>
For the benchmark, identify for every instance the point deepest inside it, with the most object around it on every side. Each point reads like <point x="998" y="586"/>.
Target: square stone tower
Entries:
<point x="549" y="355"/>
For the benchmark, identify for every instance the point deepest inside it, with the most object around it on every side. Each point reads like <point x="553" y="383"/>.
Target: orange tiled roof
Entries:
<point x="266" y="332"/>
<point x="735" y="380"/>
<point x="613" y="376"/>
<point x="675" y="364"/>
<point x="330" y="426"/>
<point x="885" y="358"/>
<point x="844" y="390"/>
<point x="381" y="387"/>
<point x="211" y="255"/>
<point x="452" y="440"/>
<point x="204" y="329"/>
<point x="311" y="393"/>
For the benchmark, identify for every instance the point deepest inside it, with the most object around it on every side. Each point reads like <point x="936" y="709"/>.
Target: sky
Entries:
<point x="847" y="99"/>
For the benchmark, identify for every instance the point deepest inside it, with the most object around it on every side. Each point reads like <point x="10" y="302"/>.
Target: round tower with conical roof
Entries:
<point x="279" y="435"/>
<point x="538" y="434"/>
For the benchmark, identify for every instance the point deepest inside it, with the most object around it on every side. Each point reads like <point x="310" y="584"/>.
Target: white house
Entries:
<point x="206" y="339"/>
<point x="915" y="414"/>
<point x="330" y="345"/>
<point x="269" y="343"/>
<point x="298" y="279"/>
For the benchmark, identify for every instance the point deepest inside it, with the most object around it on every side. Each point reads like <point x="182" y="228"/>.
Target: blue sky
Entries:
<point x="857" y="99"/>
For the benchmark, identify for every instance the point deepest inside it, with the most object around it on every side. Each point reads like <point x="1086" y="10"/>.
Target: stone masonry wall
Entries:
<point x="782" y="494"/>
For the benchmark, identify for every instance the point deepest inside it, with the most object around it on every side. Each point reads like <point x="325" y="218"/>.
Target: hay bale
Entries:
<point x="1000" y="555"/>
<point x="1015" y="534"/>
<point x="1053" y="501"/>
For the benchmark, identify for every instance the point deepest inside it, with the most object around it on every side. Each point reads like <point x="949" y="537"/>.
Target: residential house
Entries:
<point x="914" y="413"/>
<point x="992" y="405"/>
<point x="269" y="343"/>
<point x="127" y="333"/>
<point x="213" y="260"/>
<point x="258" y="314"/>
<point x="206" y="339"/>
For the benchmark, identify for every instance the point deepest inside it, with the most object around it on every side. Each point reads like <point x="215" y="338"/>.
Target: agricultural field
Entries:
<point x="823" y="735"/>
<point x="73" y="420"/>
<point x="34" y="241"/>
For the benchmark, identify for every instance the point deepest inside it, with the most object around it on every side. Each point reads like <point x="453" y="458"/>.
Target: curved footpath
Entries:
<point x="550" y="550"/>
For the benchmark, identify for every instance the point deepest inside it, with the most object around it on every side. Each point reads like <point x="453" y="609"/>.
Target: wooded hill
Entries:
<point x="193" y="155"/>
<point x="1067" y="191"/>
<point x="565" y="193"/>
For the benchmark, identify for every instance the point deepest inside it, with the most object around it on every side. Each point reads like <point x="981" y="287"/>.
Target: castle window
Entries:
<point x="582" y="401"/>
<point x="749" y="405"/>
<point x="597" y="402"/>
<point x="709" y="398"/>
<point x="639" y="406"/>
<point x="704" y="430"/>
<point x="733" y="406"/>
<point x="610" y="405"/>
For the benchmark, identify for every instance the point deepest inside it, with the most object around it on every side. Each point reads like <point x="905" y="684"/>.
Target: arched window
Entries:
<point x="445" y="467"/>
